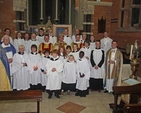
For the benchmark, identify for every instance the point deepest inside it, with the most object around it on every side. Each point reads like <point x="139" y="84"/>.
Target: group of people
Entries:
<point x="62" y="64"/>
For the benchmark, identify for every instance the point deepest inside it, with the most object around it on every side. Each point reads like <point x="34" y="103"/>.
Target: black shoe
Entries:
<point x="57" y="95"/>
<point x="50" y="96"/>
<point x="76" y="94"/>
<point x="105" y="91"/>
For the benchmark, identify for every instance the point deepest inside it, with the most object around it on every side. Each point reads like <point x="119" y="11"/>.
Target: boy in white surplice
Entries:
<point x="54" y="68"/>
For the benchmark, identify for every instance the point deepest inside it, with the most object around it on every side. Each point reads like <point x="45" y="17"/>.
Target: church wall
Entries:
<point x="7" y="15"/>
<point x="101" y="11"/>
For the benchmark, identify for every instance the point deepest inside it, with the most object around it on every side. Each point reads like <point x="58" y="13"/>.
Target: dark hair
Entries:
<point x="33" y="46"/>
<point x="114" y="41"/>
<point x="82" y="52"/>
<point x="87" y="41"/>
<point x="68" y="47"/>
<point x="7" y="29"/>
<point x="97" y="41"/>
<point x="46" y="51"/>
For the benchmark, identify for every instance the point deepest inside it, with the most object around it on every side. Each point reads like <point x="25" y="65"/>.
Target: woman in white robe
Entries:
<point x="34" y="67"/>
<point x="20" y="70"/>
<point x="18" y="41"/>
<point x="54" y="68"/>
<point x="69" y="75"/>
<point x="83" y="76"/>
<point x="92" y="42"/>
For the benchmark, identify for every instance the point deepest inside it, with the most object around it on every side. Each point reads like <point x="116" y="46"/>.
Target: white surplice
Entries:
<point x="17" y="42"/>
<point x="70" y="72"/>
<point x="20" y="72"/>
<point x="35" y="76"/>
<point x="54" y="78"/>
<point x="83" y="68"/>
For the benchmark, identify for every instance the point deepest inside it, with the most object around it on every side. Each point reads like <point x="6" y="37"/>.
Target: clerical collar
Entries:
<point x="3" y="45"/>
<point x="65" y="35"/>
<point x="41" y="35"/>
<point x="21" y="53"/>
<point x="54" y="59"/>
<point x="34" y="53"/>
<point x="51" y="35"/>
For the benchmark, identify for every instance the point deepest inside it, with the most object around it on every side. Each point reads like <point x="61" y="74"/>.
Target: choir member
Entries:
<point x="26" y="41"/>
<point x="40" y="36"/>
<point x="34" y="67"/>
<point x="54" y="69"/>
<point x="97" y="70"/>
<point x="52" y="38"/>
<point x="18" y="41"/>
<point x="20" y="70"/>
<point x="69" y="75"/>
<point x="83" y="76"/>
<point x="92" y="42"/>
<point x="7" y="31"/>
<point x="67" y="39"/>
<point x="44" y="58"/>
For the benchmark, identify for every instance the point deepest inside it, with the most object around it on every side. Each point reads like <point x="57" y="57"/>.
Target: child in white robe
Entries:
<point x="20" y="70"/>
<point x="45" y="58"/>
<point x="34" y="67"/>
<point x="54" y="69"/>
<point x="83" y="76"/>
<point x="69" y="75"/>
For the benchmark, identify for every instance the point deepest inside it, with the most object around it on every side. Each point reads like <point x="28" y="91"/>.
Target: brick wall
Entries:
<point x="7" y="15"/>
<point x="101" y="11"/>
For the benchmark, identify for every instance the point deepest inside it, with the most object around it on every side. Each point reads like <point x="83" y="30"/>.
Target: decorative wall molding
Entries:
<point x="19" y="5"/>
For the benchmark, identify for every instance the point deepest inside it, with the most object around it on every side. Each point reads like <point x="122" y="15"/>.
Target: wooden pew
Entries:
<point x="20" y="95"/>
<point x="134" y="91"/>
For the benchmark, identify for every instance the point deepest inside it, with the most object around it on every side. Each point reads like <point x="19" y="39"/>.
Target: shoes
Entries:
<point x="57" y="95"/>
<point x="99" y="90"/>
<point x="50" y="96"/>
<point x="68" y="92"/>
<point x="62" y="92"/>
<point x="105" y="91"/>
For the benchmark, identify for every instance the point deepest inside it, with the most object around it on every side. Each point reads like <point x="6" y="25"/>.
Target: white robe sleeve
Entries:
<point x="16" y="66"/>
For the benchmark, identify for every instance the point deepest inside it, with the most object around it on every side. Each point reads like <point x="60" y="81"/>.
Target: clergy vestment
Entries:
<point x="34" y="75"/>
<point x="83" y="82"/>
<point x="45" y="46"/>
<point x="20" y="72"/>
<point x="67" y="39"/>
<point x="69" y="76"/>
<point x="5" y="71"/>
<point x="52" y="39"/>
<point x="113" y="71"/>
<point x="17" y="42"/>
<point x="10" y="51"/>
<point x="79" y="44"/>
<point x="58" y="44"/>
<point x="73" y="37"/>
<point x="54" y="78"/>
<point x="96" y="76"/>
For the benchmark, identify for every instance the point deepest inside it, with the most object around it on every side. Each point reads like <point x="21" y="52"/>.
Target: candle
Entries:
<point x="131" y="52"/>
<point x="41" y="9"/>
<point x="56" y="15"/>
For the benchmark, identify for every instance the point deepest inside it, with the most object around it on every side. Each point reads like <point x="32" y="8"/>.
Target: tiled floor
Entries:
<point x="95" y="102"/>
